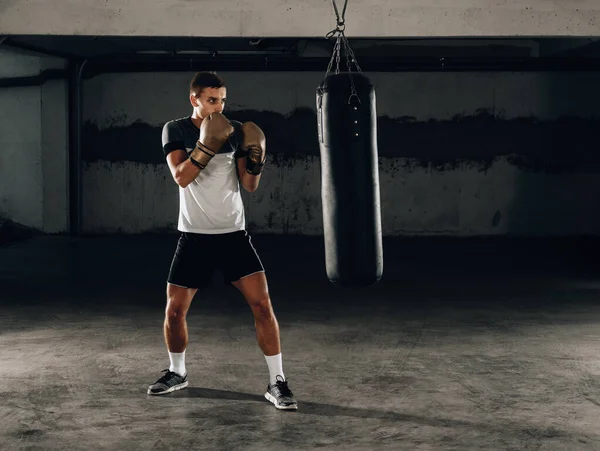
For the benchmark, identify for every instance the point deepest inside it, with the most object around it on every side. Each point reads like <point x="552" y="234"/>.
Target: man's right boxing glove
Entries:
<point x="215" y="130"/>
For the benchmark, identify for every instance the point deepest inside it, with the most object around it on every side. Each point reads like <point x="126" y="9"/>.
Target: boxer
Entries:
<point x="209" y="158"/>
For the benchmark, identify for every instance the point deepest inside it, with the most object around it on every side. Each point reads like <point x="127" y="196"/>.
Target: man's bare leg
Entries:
<point x="175" y="331"/>
<point x="255" y="290"/>
<point x="179" y="300"/>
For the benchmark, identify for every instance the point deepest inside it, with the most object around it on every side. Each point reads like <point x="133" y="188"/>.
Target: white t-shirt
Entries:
<point x="212" y="203"/>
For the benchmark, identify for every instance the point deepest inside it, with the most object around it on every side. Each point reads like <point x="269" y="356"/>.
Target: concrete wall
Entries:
<point x="460" y="153"/>
<point x="33" y="145"/>
<point x="368" y="18"/>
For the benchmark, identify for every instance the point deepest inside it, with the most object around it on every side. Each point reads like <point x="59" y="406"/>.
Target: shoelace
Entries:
<point x="166" y="376"/>
<point x="283" y="388"/>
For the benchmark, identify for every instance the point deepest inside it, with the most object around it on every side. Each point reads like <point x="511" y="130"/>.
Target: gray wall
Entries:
<point x="460" y="153"/>
<point x="367" y="18"/>
<point x="33" y="145"/>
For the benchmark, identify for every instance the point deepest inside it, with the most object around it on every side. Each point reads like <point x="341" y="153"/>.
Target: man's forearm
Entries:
<point x="250" y="182"/>
<point x="186" y="173"/>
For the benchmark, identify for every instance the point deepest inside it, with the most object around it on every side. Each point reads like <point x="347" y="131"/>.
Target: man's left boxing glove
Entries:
<point x="254" y="145"/>
<point x="215" y="130"/>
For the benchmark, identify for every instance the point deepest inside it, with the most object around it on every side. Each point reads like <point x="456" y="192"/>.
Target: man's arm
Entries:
<point x="182" y="169"/>
<point x="253" y="147"/>
<point x="214" y="132"/>
<point x="249" y="182"/>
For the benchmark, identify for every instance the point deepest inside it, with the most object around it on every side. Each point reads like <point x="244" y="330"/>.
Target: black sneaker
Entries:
<point x="168" y="383"/>
<point x="281" y="395"/>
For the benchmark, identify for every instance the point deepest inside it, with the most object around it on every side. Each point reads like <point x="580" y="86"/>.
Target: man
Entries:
<point x="209" y="157"/>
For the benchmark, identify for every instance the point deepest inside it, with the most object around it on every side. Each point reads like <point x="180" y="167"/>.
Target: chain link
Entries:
<point x="342" y="44"/>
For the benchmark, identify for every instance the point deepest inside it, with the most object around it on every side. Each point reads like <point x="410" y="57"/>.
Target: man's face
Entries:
<point x="211" y="100"/>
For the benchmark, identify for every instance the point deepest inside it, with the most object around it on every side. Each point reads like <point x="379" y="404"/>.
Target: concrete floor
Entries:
<point x="464" y="345"/>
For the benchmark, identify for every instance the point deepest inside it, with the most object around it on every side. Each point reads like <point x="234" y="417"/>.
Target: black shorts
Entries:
<point x="198" y="255"/>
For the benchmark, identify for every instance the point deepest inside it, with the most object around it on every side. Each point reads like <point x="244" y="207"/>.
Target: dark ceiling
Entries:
<point x="109" y="53"/>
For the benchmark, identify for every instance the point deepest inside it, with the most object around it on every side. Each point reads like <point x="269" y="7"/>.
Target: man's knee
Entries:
<point x="261" y="306"/>
<point x="178" y="302"/>
<point x="174" y="312"/>
<point x="177" y="308"/>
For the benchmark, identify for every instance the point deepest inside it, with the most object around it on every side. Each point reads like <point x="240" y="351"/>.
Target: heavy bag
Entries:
<point x="347" y="128"/>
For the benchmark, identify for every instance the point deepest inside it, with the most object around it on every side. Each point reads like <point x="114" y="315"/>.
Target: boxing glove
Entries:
<point x="215" y="130"/>
<point x="254" y="146"/>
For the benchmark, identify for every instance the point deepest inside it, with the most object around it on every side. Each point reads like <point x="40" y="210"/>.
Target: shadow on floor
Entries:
<point x="331" y="410"/>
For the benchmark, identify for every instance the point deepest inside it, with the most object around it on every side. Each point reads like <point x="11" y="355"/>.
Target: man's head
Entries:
<point x="207" y="94"/>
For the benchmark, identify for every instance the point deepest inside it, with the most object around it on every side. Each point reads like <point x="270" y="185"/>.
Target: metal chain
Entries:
<point x="342" y="44"/>
<point x="350" y="58"/>
<point x="335" y="56"/>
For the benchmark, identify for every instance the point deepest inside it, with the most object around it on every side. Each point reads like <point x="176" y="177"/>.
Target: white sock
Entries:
<point x="177" y="362"/>
<point x="275" y="367"/>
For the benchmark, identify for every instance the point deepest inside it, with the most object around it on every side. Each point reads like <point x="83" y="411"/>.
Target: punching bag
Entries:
<point x="347" y="128"/>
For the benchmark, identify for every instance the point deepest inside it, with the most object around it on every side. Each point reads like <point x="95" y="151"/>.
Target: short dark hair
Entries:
<point x="205" y="80"/>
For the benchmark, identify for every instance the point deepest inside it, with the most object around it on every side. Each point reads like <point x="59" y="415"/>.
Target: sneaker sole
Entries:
<point x="272" y="399"/>
<point x="170" y="390"/>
